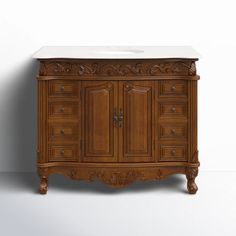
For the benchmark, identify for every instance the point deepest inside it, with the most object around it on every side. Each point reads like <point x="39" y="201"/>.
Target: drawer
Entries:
<point x="172" y="131"/>
<point x="173" y="109"/>
<point x="173" y="88"/>
<point x="173" y="153"/>
<point x="63" y="132"/>
<point x="68" y="110"/>
<point x="63" y="153"/>
<point x="63" y="89"/>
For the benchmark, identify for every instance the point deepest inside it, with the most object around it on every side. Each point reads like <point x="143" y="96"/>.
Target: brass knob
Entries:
<point x="173" y="109"/>
<point x="62" y="88"/>
<point x="173" y="88"/>
<point x="62" y="109"/>
<point x="173" y="152"/>
<point x="173" y="131"/>
<point x="62" y="152"/>
<point x="62" y="131"/>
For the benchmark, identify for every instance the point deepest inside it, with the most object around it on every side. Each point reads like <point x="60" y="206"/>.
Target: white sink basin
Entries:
<point x="119" y="51"/>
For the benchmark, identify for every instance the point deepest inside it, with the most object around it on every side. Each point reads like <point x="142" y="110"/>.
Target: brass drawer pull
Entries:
<point x="173" y="88"/>
<point x="173" y="109"/>
<point x="62" y="152"/>
<point x="173" y="131"/>
<point x="62" y="88"/>
<point x="173" y="152"/>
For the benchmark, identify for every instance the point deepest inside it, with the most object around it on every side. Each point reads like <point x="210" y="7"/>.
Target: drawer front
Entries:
<point x="172" y="131"/>
<point x="173" y="109"/>
<point x="173" y="88"/>
<point x="173" y="153"/>
<point x="63" y="153"/>
<point x="63" y="89"/>
<point x="68" y="110"/>
<point x="63" y="132"/>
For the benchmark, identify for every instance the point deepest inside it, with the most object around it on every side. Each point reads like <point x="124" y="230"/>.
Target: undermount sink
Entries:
<point x="120" y="51"/>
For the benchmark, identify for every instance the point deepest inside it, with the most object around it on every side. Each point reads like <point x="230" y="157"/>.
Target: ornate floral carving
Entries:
<point x="159" y="174"/>
<point x="191" y="174"/>
<point x="61" y="68"/>
<point x="72" y="173"/>
<point x="116" y="178"/>
<point x="114" y="68"/>
<point x="192" y="69"/>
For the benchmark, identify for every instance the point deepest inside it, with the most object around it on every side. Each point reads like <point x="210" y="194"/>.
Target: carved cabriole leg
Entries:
<point x="191" y="174"/>
<point x="43" y="187"/>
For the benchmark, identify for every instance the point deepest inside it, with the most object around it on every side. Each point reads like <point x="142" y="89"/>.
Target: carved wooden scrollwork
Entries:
<point x="116" y="178"/>
<point x="159" y="174"/>
<point x="192" y="69"/>
<point x="113" y="68"/>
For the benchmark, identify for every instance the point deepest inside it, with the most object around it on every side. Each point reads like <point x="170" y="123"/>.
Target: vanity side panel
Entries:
<point x="42" y="121"/>
<point x="192" y="116"/>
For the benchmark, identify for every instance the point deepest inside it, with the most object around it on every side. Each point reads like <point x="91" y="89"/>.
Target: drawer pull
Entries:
<point x="173" y="109"/>
<point x="62" y="152"/>
<point x="173" y="152"/>
<point x="62" y="131"/>
<point x="173" y="131"/>
<point x="62" y="109"/>
<point x="173" y="88"/>
<point x="62" y="88"/>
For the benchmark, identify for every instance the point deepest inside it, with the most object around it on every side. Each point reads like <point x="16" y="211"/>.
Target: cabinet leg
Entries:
<point x="191" y="174"/>
<point x="43" y="187"/>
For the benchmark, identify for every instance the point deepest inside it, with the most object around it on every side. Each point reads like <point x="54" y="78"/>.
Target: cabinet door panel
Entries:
<point x="99" y="134"/>
<point x="136" y="136"/>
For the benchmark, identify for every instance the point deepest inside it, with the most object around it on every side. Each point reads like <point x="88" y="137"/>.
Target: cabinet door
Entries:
<point x="100" y="141"/>
<point x="136" y="113"/>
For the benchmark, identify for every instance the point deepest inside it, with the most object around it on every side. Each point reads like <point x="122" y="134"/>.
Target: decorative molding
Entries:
<point x="192" y="69"/>
<point x="116" y="178"/>
<point x="195" y="157"/>
<point x="159" y="174"/>
<point x="118" y="68"/>
<point x="43" y="171"/>
<point x="38" y="156"/>
<point x="72" y="173"/>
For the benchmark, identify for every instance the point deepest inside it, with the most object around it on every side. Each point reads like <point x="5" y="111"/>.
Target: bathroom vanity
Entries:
<point x="117" y="114"/>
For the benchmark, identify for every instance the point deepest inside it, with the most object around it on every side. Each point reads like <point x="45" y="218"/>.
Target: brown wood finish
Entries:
<point x="117" y="121"/>
<point x="100" y="141"/>
<point x="136" y="133"/>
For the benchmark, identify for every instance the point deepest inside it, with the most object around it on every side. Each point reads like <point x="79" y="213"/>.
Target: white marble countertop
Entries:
<point x="116" y="52"/>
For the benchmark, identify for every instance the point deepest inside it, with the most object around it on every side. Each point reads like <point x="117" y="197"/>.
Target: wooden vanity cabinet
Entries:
<point x="117" y="120"/>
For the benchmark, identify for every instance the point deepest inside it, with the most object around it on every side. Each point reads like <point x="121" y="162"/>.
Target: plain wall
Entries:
<point x="208" y="26"/>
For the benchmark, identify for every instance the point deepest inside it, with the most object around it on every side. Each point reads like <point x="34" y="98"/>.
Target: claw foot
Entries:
<point x="43" y="187"/>
<point x="191" y="174"/>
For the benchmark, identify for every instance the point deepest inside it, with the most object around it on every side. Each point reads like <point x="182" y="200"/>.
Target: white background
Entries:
<point x="209" y="26"/>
